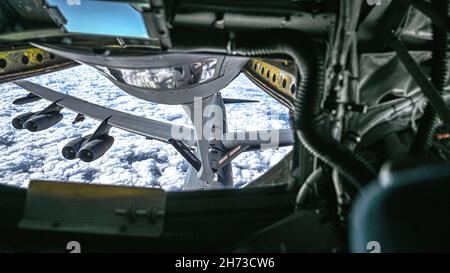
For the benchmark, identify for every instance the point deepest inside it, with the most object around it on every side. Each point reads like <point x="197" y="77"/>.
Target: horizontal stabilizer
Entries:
<point x="233" y="101"/>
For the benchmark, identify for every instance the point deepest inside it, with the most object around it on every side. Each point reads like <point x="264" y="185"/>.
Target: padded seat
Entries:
<point x="404" y="211"/>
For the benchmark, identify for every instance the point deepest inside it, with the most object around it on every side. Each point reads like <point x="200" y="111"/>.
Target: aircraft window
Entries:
<point x="206" y="69"/>
<point x="39" y="57"/>
<point x="3" y="63"/>
<point x="25" y="60"/>
<point x="176" y="77"/>
<point x="132" y="160"/>
<point x="293" y="88"/>
<point x="105" y="18"/>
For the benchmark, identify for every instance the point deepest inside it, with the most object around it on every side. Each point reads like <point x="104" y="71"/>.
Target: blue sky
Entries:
<point x="99" y="17"/>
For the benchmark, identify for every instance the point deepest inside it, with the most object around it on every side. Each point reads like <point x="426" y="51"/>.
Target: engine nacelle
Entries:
<point x="43" y="121"/>
<point x="19" y="121"/>
<point x="96" y="148"/>
<point x="27" y="99"/>
<point x="71" y="149"/>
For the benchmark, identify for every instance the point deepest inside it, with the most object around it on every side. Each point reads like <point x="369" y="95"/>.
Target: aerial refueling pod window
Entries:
<point x="105" y="18"/>
<point x="160" y="79"/>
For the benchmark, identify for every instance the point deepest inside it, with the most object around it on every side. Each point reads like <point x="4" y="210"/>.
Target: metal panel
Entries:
<point x="276" y="78"/>
<point x="27" y="62"/>
<point x="98" y="209"/>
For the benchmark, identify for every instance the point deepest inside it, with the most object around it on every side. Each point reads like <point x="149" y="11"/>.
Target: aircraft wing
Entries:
<point x="234" y="142"/>
<point x="139" y="125"/>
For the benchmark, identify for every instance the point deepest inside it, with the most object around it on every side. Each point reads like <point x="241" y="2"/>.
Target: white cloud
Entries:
<point x="133" y="160"/>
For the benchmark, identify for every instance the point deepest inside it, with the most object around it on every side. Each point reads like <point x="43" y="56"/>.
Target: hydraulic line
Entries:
<point x="307" y="187"/>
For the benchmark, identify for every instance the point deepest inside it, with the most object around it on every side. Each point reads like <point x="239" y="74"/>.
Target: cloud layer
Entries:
<point x="133" y="160"/>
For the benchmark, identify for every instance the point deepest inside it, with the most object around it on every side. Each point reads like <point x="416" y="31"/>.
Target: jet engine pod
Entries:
<point x="27" y="99"/>
<point x="19" y="121"/>
<point x="43" y="121"/>
<point x="96" y="148"/>
<point x="70" y="150"/>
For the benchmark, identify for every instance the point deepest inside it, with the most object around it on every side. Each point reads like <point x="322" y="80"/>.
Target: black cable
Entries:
<point x="429" y="122"/>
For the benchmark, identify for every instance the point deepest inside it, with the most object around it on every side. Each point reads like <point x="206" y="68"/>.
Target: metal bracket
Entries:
<point x="395" y="15"/>
<point x="56" y="15"/>
<point x="133" y="214"/>
<point x="155" y="20"/>
<point x="97" y="209"/>
<point x="102" y="129"/>
<point x="428" y="9"/>
<point x="359" y="108"/>
<point x="331" y="104"/>
<point x="54" y="107"/>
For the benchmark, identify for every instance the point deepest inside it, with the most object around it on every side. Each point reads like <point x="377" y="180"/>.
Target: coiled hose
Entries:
<point x="309" y="59"/>
<point x="430" y="121"/>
